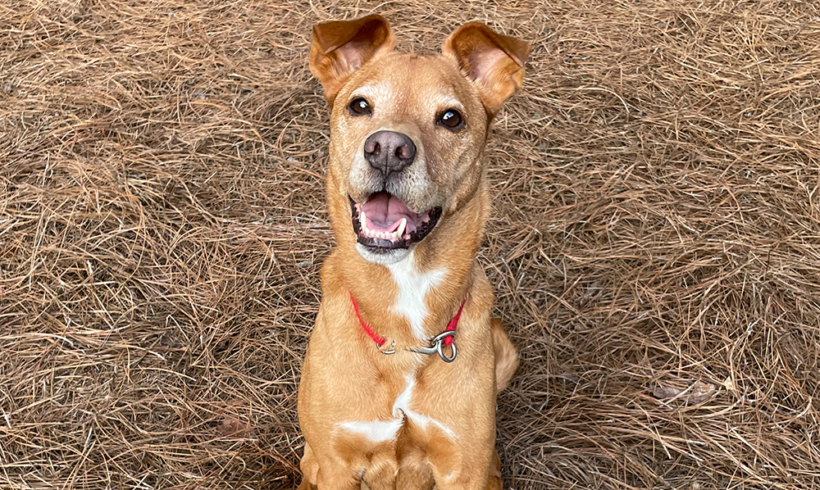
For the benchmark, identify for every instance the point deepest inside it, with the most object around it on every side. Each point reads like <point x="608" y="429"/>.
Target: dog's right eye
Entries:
<point x="359" y="107"/>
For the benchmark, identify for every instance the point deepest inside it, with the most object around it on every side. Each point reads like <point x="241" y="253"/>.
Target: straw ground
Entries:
<point x="655" y="241"/>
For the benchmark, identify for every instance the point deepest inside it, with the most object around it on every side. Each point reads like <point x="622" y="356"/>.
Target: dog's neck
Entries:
<point x="414" y="298"/>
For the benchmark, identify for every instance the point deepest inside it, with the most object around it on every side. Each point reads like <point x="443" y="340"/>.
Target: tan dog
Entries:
<point x="380" y="404"/>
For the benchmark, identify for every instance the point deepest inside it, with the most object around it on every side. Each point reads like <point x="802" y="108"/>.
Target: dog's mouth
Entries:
<point x="384" y="222"/>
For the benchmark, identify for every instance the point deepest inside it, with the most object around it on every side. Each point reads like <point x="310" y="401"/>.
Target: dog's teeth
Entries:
<point x="402" y="226"/>
<point x="363" y="220"/>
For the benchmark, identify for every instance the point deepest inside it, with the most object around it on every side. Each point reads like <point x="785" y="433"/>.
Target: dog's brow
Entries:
<point x="378" y="91"/>
<point x="449" y="101"/>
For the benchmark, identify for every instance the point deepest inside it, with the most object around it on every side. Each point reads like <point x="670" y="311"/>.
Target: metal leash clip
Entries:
<point x="437" y="346"/>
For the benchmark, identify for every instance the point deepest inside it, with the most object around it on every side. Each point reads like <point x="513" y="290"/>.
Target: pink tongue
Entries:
<point x="384" y="213"/>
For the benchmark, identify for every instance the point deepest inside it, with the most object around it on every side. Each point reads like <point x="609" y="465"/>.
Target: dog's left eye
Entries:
<point x="451" y="119"/>
<point x="359" y="107"/>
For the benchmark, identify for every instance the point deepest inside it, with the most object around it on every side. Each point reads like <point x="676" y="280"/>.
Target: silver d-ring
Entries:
<point x="440" y="350"/>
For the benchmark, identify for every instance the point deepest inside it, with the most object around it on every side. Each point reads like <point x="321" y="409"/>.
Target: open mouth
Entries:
<point x="384" y="222"/>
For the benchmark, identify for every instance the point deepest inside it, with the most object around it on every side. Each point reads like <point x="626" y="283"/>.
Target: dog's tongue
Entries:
<point x="385" y="212"/>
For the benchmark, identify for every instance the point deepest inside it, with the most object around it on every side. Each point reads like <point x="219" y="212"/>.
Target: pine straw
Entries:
<point x="656" y="224"/>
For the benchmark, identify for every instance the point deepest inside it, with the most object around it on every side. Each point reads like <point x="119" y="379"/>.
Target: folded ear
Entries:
<point x="342" y="47"/>
<point x="493" y="61"/>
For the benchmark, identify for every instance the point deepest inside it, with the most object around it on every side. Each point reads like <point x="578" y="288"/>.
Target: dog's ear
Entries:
<point x="342" y="47"/>
<point x="493" y="61"/>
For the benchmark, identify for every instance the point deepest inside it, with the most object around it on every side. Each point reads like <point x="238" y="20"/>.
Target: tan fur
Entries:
<point x="345" y="378"/>
<point x="506" y="358"/>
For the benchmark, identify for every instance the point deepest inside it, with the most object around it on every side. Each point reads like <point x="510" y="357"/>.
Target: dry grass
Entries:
<point x="656" y="224"/>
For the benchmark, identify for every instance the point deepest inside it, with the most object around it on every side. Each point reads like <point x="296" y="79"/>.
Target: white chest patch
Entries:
<point x="376" y="431"/>
<point x="380" y="431"/>
<point x="413" y="288"/>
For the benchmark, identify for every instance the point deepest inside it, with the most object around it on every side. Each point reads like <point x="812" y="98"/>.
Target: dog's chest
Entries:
<point x="403" y="412"/>
<point x="413" y="286"/>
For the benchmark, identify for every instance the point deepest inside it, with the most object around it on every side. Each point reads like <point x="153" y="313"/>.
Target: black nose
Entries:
<point x="389" y="151"/>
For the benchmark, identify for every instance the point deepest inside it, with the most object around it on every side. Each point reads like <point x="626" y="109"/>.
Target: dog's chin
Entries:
<point x="383" y="256"/>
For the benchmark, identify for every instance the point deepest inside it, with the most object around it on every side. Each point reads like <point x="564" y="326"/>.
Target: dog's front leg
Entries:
<point x="336" y="477"/>
<point x="327" y="475"/>
<point x="310" y="469"/>
<point x="475" y="468"/>
<point x="476" y="481"/>
<point x="381" y="473"/>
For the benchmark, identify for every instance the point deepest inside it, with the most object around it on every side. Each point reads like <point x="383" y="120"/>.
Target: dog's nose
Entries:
<point x="389" y="151"/>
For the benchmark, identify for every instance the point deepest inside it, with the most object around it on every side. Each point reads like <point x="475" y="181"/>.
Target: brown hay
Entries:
<point x="657" y="225"/>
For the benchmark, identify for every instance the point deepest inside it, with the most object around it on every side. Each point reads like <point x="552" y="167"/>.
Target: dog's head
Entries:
<point x="408" y="131"/>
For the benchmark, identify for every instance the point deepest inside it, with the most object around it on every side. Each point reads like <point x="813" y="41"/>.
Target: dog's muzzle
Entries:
<point x="384" y="222"/>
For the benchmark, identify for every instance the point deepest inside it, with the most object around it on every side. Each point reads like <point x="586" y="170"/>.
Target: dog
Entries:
<point x="399" y="382"/>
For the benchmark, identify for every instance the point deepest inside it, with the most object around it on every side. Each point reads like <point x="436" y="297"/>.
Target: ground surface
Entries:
<point x="655" y="242"/>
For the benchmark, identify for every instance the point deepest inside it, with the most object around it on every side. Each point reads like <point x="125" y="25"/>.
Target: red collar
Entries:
<point x="445" y="337"/>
